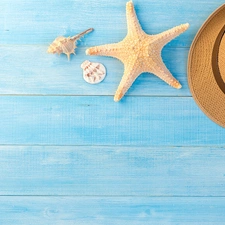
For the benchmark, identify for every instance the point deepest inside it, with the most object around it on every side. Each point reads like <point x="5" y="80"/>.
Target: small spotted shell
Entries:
<point x="93" y="73"/>
<point x="66" y="45"/>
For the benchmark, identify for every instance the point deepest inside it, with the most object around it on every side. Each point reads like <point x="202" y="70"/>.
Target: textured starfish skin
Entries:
<point x="139" y="52"/>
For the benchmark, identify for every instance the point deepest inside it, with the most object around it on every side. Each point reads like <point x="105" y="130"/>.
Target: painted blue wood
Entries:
<point x="33" y="71"/>
<point x="38" y="22"/>
<point x="71" y="120"/>
<point x="62" y="137"/>
<point x="112" y="211"/>
<point x="112" y="171"/>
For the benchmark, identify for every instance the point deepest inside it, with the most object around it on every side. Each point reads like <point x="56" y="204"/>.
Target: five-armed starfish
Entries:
<point x="139" y="52"/>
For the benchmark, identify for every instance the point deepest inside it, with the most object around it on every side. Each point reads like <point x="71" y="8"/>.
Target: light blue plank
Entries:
<point x="111" y="211"/>
<point x="112" y="171"/>
<point x="74" y="120"/>
<point x="30" y="70"/>
<point x="35" y="22"/>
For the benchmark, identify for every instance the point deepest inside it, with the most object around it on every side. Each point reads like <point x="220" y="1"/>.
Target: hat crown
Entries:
<point x="218" y="59"/>
<point x="221" y="58"/>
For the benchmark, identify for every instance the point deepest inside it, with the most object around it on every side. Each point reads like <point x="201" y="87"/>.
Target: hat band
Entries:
<point x="215" y="60"/>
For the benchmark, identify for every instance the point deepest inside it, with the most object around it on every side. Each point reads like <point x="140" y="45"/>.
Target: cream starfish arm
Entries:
<point x="139" y="52"/>
<point x="112" y="50"/>
<point x="161" y="71"/>
<point x="133" y="25"/>
<point x="166" y="36"/>
<point x="129" y="76"/>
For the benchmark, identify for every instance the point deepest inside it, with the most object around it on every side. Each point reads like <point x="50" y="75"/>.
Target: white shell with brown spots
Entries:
<point x="93" y="73"/>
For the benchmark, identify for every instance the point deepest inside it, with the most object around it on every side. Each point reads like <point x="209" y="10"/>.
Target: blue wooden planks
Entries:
<point x="34" y="72"/>
<point x="112" y="171"/>
<point x="71" y="120"/>
<point x="112" y="211"/>
<point x="38" y="22"/>
<point x="70" y="155"/>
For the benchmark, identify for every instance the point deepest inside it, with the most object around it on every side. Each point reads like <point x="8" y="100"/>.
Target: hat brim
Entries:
<point x="201" y="76"/>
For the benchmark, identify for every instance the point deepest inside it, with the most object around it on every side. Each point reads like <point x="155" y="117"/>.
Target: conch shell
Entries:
<point x="93" y="72"/>
<point x="66" y="45"/>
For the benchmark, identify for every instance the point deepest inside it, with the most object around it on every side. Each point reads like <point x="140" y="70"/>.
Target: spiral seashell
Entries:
<point x="93" y="73"/>
<point x="66" y="45"/>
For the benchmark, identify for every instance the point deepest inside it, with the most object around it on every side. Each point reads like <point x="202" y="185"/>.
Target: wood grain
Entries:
<point x="71" y="120"/>
<point x="33" y="71"/>
<point x="69" y="155"/>
<point x="112" y="211"/>
<point x="112" y="171"/>
<point x="38" y="22"/>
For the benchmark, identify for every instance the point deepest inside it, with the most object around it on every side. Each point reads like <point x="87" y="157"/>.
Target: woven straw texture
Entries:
<point x="206" y="92"/>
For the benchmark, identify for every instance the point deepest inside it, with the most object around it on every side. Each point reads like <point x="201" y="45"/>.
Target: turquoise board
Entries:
<point x="70" y="155"/>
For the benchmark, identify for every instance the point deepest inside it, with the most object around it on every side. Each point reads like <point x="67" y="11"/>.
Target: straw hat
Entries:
<point x="206" y="67"/>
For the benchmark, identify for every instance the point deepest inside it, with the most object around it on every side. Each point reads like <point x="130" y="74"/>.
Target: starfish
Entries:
<point x="139" y="52"/>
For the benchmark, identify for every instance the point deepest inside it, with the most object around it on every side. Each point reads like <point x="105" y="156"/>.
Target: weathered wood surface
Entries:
<point x="112" y="171"/>
<point x="38" y="22"/>
<point x="34" y="72"/>
<point x="135" y="121"/>
<point x="112" y="211"/>
<point x="69" y="155"/>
